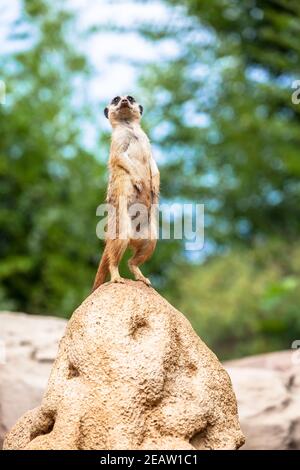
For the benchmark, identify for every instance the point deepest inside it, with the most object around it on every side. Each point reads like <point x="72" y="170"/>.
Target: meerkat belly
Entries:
<point x="122" y="182"/>
<point x="138" y="154"/>
<point x="120" y="185"/>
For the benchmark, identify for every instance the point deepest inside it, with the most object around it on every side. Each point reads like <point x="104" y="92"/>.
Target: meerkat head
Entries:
<point x="123" y="108"/>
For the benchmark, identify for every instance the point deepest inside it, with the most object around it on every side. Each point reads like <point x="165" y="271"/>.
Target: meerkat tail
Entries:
<point x="102" y="271"/>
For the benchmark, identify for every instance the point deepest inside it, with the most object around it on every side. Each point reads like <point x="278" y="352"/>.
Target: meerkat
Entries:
<point x="133" y="175"/>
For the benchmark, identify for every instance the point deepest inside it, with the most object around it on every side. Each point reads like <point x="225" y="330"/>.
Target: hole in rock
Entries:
<point x="139" y="327"/>
<point x="200" y="439"/>
<point x="46" y="424"/>
<point x="191" y="368"/>
<point x="73" y="371"/>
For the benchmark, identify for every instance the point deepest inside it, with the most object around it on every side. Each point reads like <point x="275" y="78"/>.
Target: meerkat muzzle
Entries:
<point x="124" y="104"/>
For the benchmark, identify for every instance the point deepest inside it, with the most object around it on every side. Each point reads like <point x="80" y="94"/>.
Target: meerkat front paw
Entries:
<point x="138" y="185"/>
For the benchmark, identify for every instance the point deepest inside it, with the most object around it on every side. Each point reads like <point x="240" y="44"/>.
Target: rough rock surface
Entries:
<point x="28" y="347"/>
<point x="268" y="392"/>
<point x="131" y="374"/>
<point x="267" y="386"/>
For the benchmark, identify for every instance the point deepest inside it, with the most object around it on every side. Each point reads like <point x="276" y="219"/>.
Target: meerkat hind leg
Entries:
<point x="116" y="250"/>
<point x="115" y="275"/>
<point x="142" y="252"/>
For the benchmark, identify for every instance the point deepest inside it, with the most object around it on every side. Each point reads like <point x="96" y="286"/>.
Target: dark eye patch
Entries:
<point x="115" y="100"/>
<point x="131" y="99"/>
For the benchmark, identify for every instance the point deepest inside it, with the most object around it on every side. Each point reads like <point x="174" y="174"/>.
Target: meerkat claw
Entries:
<point x="138" y="186"/>
<point x="145" y="280"/>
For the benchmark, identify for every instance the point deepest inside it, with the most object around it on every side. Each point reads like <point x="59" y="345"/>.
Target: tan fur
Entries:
<point x="133" y="174"/>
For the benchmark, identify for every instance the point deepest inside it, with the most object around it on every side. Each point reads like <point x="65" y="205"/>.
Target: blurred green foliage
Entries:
<point x="220" y="115"/>
<point x="221" y="112"/>
<point x="50" y="185"/>
<point x="244" y="302"/>
<point x="223" y="116"/>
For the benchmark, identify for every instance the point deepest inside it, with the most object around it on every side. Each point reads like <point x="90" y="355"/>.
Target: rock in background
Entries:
<point x="30" y="344"/>
<point x="268" y="392"/>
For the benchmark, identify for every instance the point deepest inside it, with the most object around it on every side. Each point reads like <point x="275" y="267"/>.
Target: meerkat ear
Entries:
<point x="141" y="109"/>
<point x="106" y="112"/>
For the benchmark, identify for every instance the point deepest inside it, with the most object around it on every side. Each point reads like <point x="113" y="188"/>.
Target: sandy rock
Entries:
<point x="29" y="346"/>
<point x="131" y="374"/>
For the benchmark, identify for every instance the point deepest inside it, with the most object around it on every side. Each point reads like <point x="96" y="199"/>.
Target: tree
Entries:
<point x="222" y="116"/>
<point x="224" y="119"/>
<point x="244" y="302"/>
<point x="50" y="184"/>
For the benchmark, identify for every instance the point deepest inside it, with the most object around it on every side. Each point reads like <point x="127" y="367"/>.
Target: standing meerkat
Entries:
<point x="133" y="177"/>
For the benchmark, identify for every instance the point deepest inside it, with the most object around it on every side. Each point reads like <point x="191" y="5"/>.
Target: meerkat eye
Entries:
<point x="131" y="99"/>
<point x="115" y="100"/>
